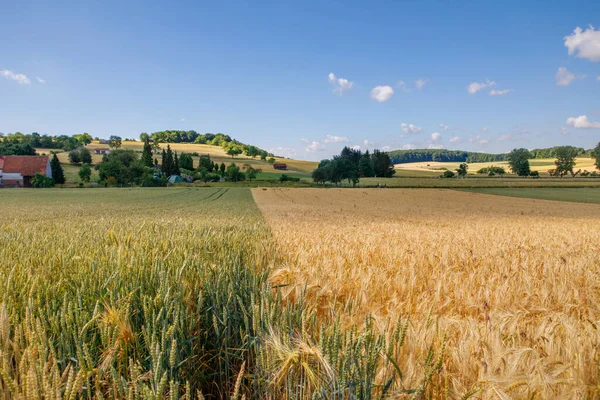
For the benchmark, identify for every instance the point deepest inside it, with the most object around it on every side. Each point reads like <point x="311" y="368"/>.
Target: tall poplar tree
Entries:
<point x="57" y="170"/>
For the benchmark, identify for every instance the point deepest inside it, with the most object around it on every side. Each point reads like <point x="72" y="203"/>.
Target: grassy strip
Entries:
<point x="578" y="195"/>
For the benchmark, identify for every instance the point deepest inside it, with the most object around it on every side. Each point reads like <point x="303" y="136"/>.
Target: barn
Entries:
<point x="102" y="150"/>
<point x="17" y="171"/>
<point x="280" y="166"/>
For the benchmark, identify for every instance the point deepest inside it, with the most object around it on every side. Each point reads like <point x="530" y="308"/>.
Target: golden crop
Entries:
<point x="514" y="284"/>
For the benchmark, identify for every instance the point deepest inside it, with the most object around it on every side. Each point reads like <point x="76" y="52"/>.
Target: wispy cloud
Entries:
<point x="19" y="78"/>
<point x="335" y="139"/>
<point x="564" y="131"/>
<point x="454" y="139"/>
<point x="419" y="83"/>
<point x="410" y="128"/>
<point x="340" y="84"/>
<point x="40" y="80"/>
<point x="382" y="93"/>
<point x="311" y="145"/>
<point x="475" y="87"/>
<point x="444" y="127"/>
<point x="283" y="151"/>
<point x="495" y="92"/>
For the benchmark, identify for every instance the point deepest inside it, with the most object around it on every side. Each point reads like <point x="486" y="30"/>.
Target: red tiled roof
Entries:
<point x="25" y="165"/>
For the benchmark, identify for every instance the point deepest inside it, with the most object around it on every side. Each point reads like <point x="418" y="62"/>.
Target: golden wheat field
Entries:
<point x="509" y="288"/>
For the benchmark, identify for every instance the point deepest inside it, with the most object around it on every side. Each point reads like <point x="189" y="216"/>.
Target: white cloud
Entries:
<point x="582" y="122"/>
<point x="435" y="136"/>
<point x="478" y="139"/>
<point x="340" y="84"/>
<point x="564" y="131"/>
<point x="283" y="152"/>
<point x="584" y="44"/>
<point x="598" y="78"/>
<point x="484" y="130"/>
<point x="408" y="146"/>
<point x="382" y="93"/>
<point x="455" y="139"/>
<point x="386" y="148"/>
<point x="435" y="146"/>
<point x="420" y="83"/>
<point x="19" y="78"/>
<point x="312" y="146"/>
<point x="182" y="119"/>
<point x="563" y="77"/>
<point x="356" y="147"/>
<point x="40" y="80"/>
<point x="444" y="127"/>
<point x="475" y="87"/>
<point x="410" y="128"/>
<point x="495" y="92"/>
<point x="335" y="139"/>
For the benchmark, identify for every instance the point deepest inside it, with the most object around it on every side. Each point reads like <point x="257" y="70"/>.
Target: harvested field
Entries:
<point x="513" y="283"/>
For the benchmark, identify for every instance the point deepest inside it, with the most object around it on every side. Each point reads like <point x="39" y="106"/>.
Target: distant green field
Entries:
<point x="275" y="175"/>
<point x="478" y="182"/>
<point x="579" y="195"/>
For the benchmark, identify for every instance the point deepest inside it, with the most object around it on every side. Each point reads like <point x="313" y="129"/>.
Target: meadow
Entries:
<point x="578" y="195"/>
<point x="508" y="287"/>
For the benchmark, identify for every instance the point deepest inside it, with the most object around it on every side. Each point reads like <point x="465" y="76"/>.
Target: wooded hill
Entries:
<point x="426" y="155"/>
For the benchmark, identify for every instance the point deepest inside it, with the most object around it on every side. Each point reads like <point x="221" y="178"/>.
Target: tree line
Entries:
<point x="433" y="155"/>
<point x="35" y="140"/>
<point x="518" y="160"/>
<point x="351" y="165"/>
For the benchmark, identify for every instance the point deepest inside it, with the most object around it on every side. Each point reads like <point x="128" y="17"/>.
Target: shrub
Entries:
<point x="42" y="181"/>
<point x="448" y="174"/>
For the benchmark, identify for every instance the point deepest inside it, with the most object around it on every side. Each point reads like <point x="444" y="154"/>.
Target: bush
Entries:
<point x="448" y="174"/>
<point x="42" y="181"/>
<point x="286" y="178"/>
<point x="534" y="174"/>
<point x="491" y="171"/>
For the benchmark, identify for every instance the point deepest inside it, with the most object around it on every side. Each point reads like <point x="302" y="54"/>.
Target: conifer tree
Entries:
<point x="176" y="170"/>
<point x="147" y="154"/>
<point x="163" y="162"/>
<point x="57" y="170"/>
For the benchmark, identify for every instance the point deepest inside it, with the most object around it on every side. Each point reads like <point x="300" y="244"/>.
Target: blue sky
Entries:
<point x="270" y="73"/>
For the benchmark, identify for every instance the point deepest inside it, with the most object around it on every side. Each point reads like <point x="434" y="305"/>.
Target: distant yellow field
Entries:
<point x="541" y="165"/>
<point x="513" y="283"/>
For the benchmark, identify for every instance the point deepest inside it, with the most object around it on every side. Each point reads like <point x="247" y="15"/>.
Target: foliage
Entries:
<point x="352" y="164"/>
<point x="442" y="155"/>
<point x="186" y="161"/>
<point x="57" y="170"/>
<point x="169" y="166"/>
<point x="147" y="153"/>
<point x="124" y="167"/>
<point x="16" y="149"/>
<point x="36" y="140"/>
<point x="80" y="156"/>
<point x="491" y="171"/>
<point x="85" y="173"/>
<point x="234" y="174"/>
<point x="83" y="138"/>
<point x="251" y="172"/>
<point x="287" y="178"/>
<point x="448" y="174"/>
<point x="115" y="142"/>
<point x="462" y="170"/>
<point x="565" y="160"/>
<point x="42" y="181"/>
<point x="518" y="160"/>
<point x="596" y="155"/>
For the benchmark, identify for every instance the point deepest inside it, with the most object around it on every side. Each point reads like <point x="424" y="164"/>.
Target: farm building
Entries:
<point x="280" y="166"/>
<point x="102" y="150"/>
<point x="17" y="171"/>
